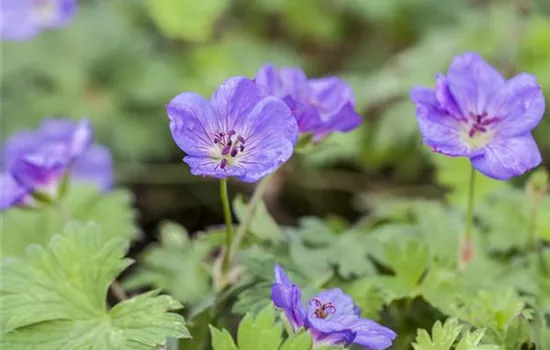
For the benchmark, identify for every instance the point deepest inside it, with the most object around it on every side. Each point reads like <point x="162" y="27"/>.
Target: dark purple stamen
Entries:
<point x="240" y="138"/>
<point x="234" y="152"/>
<point x="480" y="122"/>
<point x="228" y="146"/>
<point x="223" y="163"/>
<point x="241" y="148"/>
<point x="225" y="150"/>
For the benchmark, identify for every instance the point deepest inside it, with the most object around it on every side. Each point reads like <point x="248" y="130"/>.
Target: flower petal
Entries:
<point x="95" y="167"/>
<point x="271" y="132"/>
<point x="210" y="167"/>
<point x="16" y="21"/>
<point x="57" y="129"/>
<point x="289" y="299"/>
<point x="281" y="276"/>
<point x="520" y="105"/>
<point x="193" y="121"/>
<point x="341" y="338"/>
<point x="35" y="170"/>
<point x="268" y="79"/>
<point x="508" y="157"/>
<point x="11" y="192"/>
<point x="343" y="121"/>
<point x="234" y="101"/>
<point x="473" y="82"/>
<point x="445" y="98"/>
<point x="306" y="116"/>
<point x="330" y="94"/>
<point x="81" y="139"/>
<point x="18" y="145"/>
<point x="343" y="306"/>
<point x="370" y="334"/>
<point x="294" y="83"/>
<point x="439" y="129"/>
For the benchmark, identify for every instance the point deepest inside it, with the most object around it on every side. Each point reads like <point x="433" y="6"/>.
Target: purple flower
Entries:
<point x="36" y="161"/>
<point x="240" y="132"/>
<point x="474" y="112"/>
<point x="320" y="106"/>
<point x="23" y="19"/>
<point x="331" y="316"/>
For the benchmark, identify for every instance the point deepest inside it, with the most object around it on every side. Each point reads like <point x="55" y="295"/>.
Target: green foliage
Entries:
<point x="56" y="298"/>
<point x="111" y="211"/>
<point x="176" y="265"/>
<point x="187" y="19"/>
<point x="262" y="224"/>
<point x="445" y="335"/>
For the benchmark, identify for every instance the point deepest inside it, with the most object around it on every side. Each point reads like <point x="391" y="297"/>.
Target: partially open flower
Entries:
<point x="34" y="162"/>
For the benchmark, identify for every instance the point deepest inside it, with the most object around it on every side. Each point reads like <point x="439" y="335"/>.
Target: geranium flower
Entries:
<point x="23" y="19"/>
<point x="331" y="316"/>
<point x="320" y="106"/>
<point x="241" y="132"/>
<point x="474" y="112"/>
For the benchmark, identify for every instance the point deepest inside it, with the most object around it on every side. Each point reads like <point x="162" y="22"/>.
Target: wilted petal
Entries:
<point x="473" y="82"/>
<point x="11" y="192"/>
<point x="193" y="122"/>
<point x="271" y="132"/>
<point x="520" y="105"/>
<point x="508" y="157"/>
<point x="439" y="129"/>
<point x="234" y="100"/>
<point x="95" y="167"/>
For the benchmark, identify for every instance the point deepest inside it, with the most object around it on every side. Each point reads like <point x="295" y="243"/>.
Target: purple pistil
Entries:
<point x="480" y="121"/>
<point x="323" y="309"/>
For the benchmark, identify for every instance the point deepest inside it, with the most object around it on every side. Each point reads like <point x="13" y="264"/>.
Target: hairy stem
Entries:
<point x="228" y="224"/>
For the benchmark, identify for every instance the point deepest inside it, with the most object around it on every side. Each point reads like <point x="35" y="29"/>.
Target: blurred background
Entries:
<point x="120" y="61"/>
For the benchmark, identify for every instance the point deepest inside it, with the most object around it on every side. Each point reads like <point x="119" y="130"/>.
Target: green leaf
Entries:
<point x="112" y="211"/>
<point x="442" y="338"/>
<point x="301" y="341"/>
<point x="367" y="295"/>
<point x="253" y="334"/>
<point x="261" y="224"/>
<point x="222" y="340"/>
<point x="187" y="19"/>
<point x="55" y="298"/>
<point x="176" y="265"/>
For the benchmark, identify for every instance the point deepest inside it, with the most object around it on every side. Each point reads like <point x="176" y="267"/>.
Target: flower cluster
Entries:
<point x="320" y="106"/>
<point x="23" y="19"/>
<point x="331" y="316"/>
<point x="474" y="112"/>
<point x="34" y="162"/>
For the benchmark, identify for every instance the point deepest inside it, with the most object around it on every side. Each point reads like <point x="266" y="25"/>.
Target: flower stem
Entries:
<point x="228" y="223"/>
<point x="466" y="245"/>
<point x="118" y="291"/>
<point x="249" y="214"/>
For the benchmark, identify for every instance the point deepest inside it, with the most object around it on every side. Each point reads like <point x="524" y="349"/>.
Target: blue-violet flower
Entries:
<point x="331" y="316"/>
<point x="241" y="132"/>
<point x="474" y="112"/>
<point x="320" y="106"/>
<point x="23" y="19"/>
<point x="35" y="161"/>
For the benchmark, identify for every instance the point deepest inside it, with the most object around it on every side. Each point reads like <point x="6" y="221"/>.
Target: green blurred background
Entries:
<point x="120" y="61"/>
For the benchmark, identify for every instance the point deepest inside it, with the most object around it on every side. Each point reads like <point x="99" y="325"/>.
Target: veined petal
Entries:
<point x="268" y="79"/>
<point x="294" y="83"/>
<point x="271" y="132"/>
<point x="306" y="116"/>
<point x="508" y="157"/>
<point x="369" y="333"/>
<point x="473" y="82"/>
<point x="330" y="94"/>
<point x="346" y="119"/>
<point x="341" y="338"/>
<point x="210" y="167"/>
<point x="520" y="105"/>
<point x="95" y="167"/>
<point x="440" y="130"/>
<point x="289" y="299"/>
<point x="234" y="100"/>
<point x="444" y="96"/>
<point x="193" y="121"/>
<point x="11" y="192"/>
<point x="281" y="276"/>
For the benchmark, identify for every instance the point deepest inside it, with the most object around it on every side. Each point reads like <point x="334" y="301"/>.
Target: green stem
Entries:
<point x="228" y="223"/>
<point x="249" y="214"/>
<point x="470" y="208"/>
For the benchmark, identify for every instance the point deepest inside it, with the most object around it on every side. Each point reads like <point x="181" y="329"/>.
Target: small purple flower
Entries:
<point x="475" y="112"/>
<point x="36" y="161"/>
<point x="320" y="106"/>
<point x="331" y="316"/>
<point x="240" y="132"/>
<point x="23" y="19"/>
